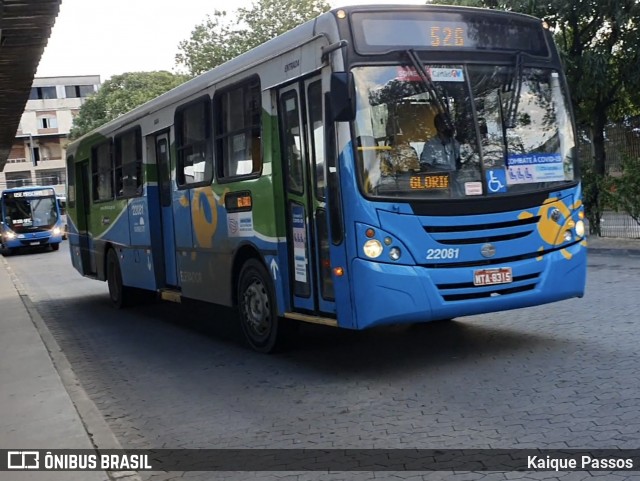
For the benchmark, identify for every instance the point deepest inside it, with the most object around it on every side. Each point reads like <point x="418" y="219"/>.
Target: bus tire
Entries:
<point x="262" y="328"/>
<point x="117" y="292"/>
<point x="55" y="247"/>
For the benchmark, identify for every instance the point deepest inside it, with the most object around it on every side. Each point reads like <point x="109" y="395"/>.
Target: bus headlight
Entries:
<point x="580" y="228"/>
<point x="372" y="248"/>
<point x="10" y="235"/>
<point x="56" y="231"/>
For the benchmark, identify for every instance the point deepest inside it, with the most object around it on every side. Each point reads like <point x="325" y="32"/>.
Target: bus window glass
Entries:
<point x="525" y="138"/>
<point x="128" y="164"/>
<point x="238" y="142"/>
<point x="102" y="172"/>
<point x="195" y="158"/>
<point x="71" y="181"/>
<point x="292" y="142"/>
<point x="314" y="100"/>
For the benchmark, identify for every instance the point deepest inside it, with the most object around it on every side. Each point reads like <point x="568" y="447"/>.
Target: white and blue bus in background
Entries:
<point x="30" y="217"/>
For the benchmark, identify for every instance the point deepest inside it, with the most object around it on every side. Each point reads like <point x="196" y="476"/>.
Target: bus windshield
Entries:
<point x="29" y="214"/>
<point x="504" y="130"/>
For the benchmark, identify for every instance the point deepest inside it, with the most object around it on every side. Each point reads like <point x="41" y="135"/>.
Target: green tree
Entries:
<point x="222" y="37"/>
<point x="120" y="94"/>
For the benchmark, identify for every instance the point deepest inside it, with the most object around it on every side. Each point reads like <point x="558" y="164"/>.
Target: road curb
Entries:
<point x="96" y="427"/>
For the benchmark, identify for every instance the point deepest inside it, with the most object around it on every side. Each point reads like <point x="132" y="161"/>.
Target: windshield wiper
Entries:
<point x="430" y="86"/>
<point x="515" y="86"/>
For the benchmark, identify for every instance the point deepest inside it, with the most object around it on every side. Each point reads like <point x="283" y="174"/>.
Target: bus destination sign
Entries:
<point x="29" y="193"/>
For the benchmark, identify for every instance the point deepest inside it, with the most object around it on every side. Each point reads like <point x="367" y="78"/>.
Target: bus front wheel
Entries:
<point x="55" y="247"/>
<point x="117" y="292"/>
<point x="262" y="328"/>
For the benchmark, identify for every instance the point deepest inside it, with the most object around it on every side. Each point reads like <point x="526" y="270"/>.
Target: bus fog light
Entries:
<point x="395" y="253"/>
<point x="580" y="228"/>
<point x="372" y="248"/>
<point x="568" y="236"/>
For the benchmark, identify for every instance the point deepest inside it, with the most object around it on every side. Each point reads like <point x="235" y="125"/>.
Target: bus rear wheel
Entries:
<point x="117" y="292"/>
<point x="262" y="328"/>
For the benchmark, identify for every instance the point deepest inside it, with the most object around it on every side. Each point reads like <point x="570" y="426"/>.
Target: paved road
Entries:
<point x="178" y="376"/>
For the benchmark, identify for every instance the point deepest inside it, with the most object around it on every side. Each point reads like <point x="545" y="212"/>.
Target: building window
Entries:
<point x="102" y="172"/>
<point x="193" y="141"/>
<point x="238" y="124"/>
<point x="78" y="91"/>
<point x="128" y="164"/>
<point x="47" y="123"/>
<point x="51" y="177"/>
<point x="50" y="149"/>
<point x="43" y="93"/>
<point x="18" y="179"/>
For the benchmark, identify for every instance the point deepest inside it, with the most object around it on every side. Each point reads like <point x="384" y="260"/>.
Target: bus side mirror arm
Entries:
<point x="343" y="97"/>
<point x="332" y="48"/>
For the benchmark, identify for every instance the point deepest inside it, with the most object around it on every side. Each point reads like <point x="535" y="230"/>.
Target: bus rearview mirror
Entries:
<point x="343" y="96"/>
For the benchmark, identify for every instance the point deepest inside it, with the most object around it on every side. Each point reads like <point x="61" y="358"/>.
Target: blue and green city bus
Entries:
<point x="288" y="182"/>
<point x="29" y="217"/>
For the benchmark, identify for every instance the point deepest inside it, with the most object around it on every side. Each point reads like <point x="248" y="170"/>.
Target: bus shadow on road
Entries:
<point x="213" y="332"/>
<point x="418" y="346"/>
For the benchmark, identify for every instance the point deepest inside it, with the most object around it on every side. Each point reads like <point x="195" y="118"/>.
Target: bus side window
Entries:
<point x="238" y="124"/>
<point x="193" y="138"/>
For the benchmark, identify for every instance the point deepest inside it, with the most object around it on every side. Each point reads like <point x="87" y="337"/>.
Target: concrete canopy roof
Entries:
<point x="25" y="27"/>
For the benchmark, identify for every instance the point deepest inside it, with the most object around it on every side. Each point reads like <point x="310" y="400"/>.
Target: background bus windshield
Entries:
<point x="27" y="214"/>
<point x="476" y="130"/>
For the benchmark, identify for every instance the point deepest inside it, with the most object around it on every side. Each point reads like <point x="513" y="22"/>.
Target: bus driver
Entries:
<point x="442" y="151"/>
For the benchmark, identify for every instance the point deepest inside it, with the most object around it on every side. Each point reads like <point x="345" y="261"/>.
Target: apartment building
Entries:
<point x="37" y="156"/>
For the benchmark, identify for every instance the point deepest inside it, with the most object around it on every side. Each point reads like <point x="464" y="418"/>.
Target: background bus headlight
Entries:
<point x="372" y="248"/>
<point x="10" y="235"/>
<point x="56" y="231"/>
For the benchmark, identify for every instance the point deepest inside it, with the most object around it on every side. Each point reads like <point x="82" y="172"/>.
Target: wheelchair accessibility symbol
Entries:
<point x="496" y="181"/>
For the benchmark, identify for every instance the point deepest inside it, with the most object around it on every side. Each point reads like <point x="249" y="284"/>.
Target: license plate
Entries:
<point x="34" y="243"/>
<point x="487" y="277"/>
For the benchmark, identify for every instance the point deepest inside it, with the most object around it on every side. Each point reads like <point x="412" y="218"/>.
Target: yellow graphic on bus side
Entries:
<point x="204" y="213"/>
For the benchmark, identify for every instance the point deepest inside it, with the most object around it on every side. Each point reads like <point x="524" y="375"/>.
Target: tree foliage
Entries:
<point x="599" y="41"/>
<point x="120" y="94"/>
<point x="222" y="37"/>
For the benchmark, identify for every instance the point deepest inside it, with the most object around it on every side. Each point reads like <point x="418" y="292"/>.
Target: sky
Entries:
<point x="115" y="36"/>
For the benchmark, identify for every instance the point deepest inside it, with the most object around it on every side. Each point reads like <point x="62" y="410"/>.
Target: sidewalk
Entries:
<point x="36" y="409"/>
<point x="613" y="245"/>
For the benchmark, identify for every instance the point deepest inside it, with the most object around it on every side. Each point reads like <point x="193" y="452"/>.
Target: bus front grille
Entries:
<point x="482" y="233"/>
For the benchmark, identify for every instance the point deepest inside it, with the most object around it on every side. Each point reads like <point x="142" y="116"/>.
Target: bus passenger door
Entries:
<point x="83" y="205"/>
<point x="163" y="162"/>
<point x="302" y="138"/>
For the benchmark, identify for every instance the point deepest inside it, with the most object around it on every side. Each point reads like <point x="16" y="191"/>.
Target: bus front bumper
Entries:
<point x="395" y="294"/>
